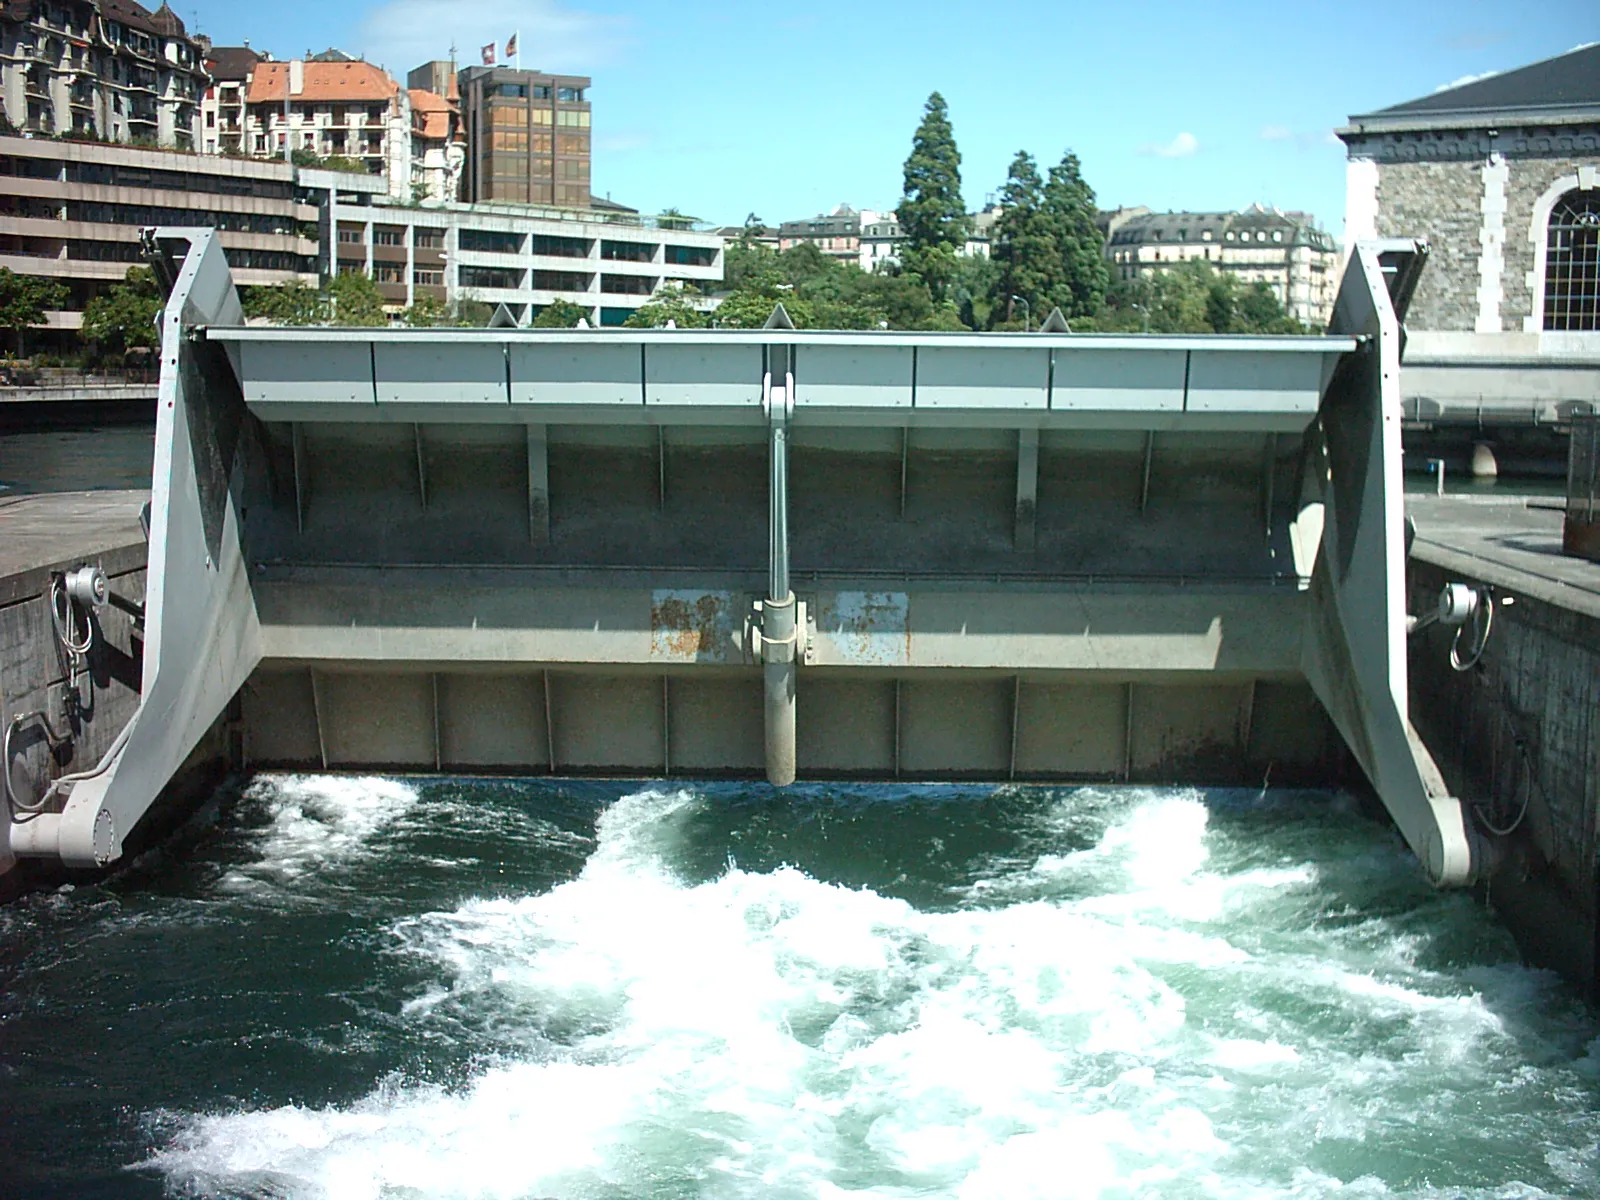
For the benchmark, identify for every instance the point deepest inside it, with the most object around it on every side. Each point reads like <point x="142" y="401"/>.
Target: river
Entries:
<point x="356" y="988"/>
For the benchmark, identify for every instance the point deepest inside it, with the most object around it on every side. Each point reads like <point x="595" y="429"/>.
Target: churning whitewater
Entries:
<point x="500" y="990"/>
<point x="1156" y="1010"/>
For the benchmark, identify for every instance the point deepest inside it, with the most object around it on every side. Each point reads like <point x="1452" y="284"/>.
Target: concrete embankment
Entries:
<point x="1517" y="734"/>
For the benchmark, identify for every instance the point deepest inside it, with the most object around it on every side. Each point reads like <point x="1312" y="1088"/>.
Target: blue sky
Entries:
<point x="726" y="109"/>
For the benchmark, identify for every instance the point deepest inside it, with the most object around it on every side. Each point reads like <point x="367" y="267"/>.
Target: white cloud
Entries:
<point x="1181" y="146"/>
<point x="1276" y="133"/>
<point x="401" y="34"/>
<point x="1465" y="79"/>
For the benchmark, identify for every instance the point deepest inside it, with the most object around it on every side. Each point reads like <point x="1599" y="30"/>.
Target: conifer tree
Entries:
<point x="933" y="217"/>
<point x="1069" y="210"/>
<point x="1025" y="247"/>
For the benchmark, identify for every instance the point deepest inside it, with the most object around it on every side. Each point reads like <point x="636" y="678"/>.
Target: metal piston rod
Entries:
<point x="778" y="626"/>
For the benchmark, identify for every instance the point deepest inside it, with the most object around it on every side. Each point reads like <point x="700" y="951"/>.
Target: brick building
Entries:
<point x="1502" y="176"/>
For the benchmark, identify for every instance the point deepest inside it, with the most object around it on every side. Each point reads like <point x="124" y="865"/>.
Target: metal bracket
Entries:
<point x="753" y="640"/>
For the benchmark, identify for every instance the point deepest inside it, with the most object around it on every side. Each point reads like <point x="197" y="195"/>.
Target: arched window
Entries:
<point x="1572" y="263"/>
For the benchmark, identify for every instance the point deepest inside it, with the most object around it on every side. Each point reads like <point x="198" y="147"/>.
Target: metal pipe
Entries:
<point x="778" y="635"/>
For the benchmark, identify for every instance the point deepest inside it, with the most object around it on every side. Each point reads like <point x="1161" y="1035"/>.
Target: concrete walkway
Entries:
<point x="41" y="533"/>
<point x="1512" y="542"/>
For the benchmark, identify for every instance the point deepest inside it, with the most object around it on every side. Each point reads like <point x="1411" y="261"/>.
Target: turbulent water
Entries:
<point x="363" y="988"/>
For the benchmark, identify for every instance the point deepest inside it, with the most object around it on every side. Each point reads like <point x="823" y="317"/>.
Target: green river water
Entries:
<point x="339" y="987"/>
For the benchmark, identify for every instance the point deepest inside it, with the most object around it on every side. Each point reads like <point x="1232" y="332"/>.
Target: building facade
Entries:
<point x="1502" y="177"/>
<point x="438" y="146"/>
<point x="73" y="211"/>
<point x="344" y="109"/>
<point x="224" y="108"/>
<point x="528" y="137"/>
<point x="871" y="239"/>
<point x="1285" y="251"/>
<point x="609" y="263"/>
<point x="109" y="69"/>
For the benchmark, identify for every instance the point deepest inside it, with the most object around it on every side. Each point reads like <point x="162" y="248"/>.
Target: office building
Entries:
<point x="607" y="260"/>
<point x="528" y="137"/>
<point x="74" y="210"/>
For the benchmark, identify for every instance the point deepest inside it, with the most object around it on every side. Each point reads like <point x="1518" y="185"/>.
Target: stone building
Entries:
<point x="109" y="69"/>
<point x="1285" y="251"/>
<point x="1502" y="177"/>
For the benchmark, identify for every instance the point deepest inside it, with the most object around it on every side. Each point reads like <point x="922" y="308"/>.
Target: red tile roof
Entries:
<point x="335" y="82"/>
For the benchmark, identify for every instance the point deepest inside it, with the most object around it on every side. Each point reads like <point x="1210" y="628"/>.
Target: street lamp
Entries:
<point x="1146" y="313"/>
<point x="1027" y="312"/>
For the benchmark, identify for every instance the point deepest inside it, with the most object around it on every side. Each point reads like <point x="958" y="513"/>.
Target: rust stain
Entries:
<point x="691" y="626"/>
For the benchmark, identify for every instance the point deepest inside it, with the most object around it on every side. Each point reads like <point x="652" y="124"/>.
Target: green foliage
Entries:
<point x="1069" y="210"/>
<point x="428" y="313"/>
<point x="354" y="300"/>
<point x="1193" y="297"/>
<point x="560" y="314"/>
<point x="291" y="303"/>
<point x="932" y="215"/>
<point x="671" y="218"/>
<point x="351" y="299"/>
<point x="333" y="162"/>
<point x="24" y="300"/>
<point x="673" y="305"/>
<point x="123" y="317"/>
<point x="819" y="292"/>
<point x="1026" y="257"/>
<point x="973" y="289"/>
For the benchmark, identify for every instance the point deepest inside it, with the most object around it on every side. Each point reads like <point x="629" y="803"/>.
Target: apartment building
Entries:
<point x="1286" y="251"/>
<point x="438" y="149"/>
<point x="224" y="106"/>
<point x="872" y="239"/>
<point x="105" y="68"/>
<point x="609" y="261"/>
<point x="343" y="108"/>
<point x="74" y="210"/>
<point x="528" y="137"/>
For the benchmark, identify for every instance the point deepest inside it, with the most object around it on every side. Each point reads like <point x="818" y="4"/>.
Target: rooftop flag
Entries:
<point x="488" y="55"/>
<point x="511" y="47"/>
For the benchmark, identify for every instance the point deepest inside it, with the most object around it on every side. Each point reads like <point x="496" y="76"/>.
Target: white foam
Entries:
<point x="318" y="820"/>
<point x="767" y="1033"/>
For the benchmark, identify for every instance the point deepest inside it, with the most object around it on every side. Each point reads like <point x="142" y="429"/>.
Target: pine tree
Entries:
<point x="1069" y="210"/>
<point x="1024" y="247"/>
<point x="933" y="217"/>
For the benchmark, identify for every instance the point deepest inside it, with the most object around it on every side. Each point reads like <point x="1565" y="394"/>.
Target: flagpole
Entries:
<point x="518" y="37"/>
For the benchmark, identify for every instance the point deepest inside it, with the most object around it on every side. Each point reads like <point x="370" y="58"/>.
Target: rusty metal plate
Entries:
<point x="868" y="629"/>
<point x="688" y="625"/>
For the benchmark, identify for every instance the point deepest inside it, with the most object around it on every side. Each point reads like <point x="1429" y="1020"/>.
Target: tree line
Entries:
<point x="1046" y="252"/>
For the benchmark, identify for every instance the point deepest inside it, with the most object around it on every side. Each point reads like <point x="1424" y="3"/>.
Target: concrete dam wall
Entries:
<point x="876" y="555"/>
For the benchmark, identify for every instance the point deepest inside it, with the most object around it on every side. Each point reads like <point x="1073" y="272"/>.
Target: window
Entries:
<point x="561" y="281"/>
<point x="573" y="118"/>
<point x="513" y="91"/>
<point x="492" y="241"/>
<point x="428" y="239"/>
<point x="541" y="91"/>
<point x="691" y="256"/>
<point x="489" y="277"/>
<point x="350" y="236"/>
<point x="570" y="95"/>
<point x="1277" y="235"/>
<point x="428" y="278"/>
<point x="389" y="273"/>
<point x="1572" y="263"/>
<point x="627" y="251"/>
<point x="561" y="247"/>
<point x="388" y="237"/>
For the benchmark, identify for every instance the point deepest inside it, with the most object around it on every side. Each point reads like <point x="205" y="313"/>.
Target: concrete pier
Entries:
<point x="1517" y="735"/>
<point x="45" y="535"/>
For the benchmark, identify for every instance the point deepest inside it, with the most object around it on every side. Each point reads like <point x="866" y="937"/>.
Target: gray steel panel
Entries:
<point x="325" y="373"/>
<point x="1098" y="380"/>
<point x="703" y="374"/>
<point x="976" y="376"/>
<point x="439" y="373"/>
<point x="1224" y="382"/>
<point x="575" y="372"/>
<point x="853" y="376"/>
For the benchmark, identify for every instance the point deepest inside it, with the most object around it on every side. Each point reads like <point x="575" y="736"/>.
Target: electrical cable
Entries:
<point x="1483" y="615"/>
